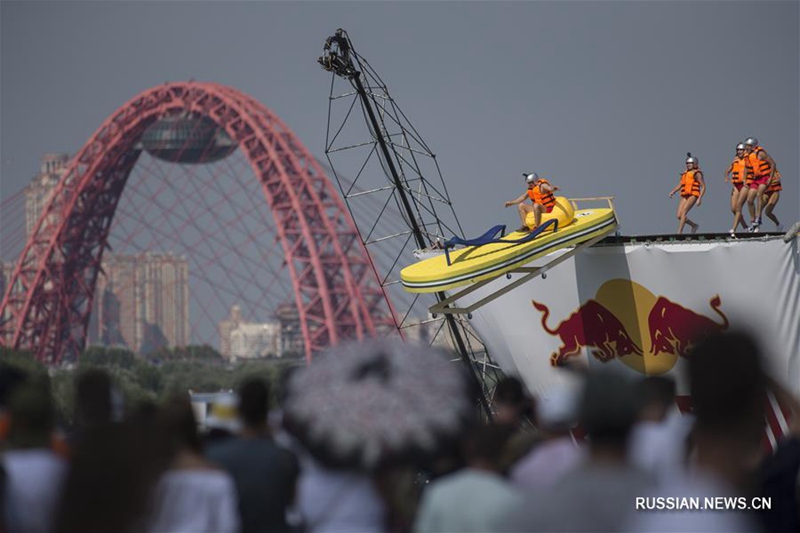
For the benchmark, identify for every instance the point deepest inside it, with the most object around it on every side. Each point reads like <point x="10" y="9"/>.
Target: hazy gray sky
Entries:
<point x="603" y="97"/>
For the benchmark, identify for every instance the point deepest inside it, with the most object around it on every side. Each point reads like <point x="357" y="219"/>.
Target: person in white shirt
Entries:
<point x="547" y="462"/>
<point x="659" y="440"/>
<point x="193" y="494"/>
<point x="476" y="498"/>
<point x="726" y="440"/>
<point x="34" y="473"/>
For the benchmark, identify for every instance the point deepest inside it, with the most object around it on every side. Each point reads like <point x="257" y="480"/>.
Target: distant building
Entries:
<point x="40" y="190"/>
<point x="5" y="277"/>
<point x="256" y="340"/>
<point x="225" y="328"/>
<point x="142" y="302"/>
<point x="291" y="333"/>
<point x="244" y="340"/>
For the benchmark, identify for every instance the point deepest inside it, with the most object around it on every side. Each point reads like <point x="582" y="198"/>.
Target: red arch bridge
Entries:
<point x="331" y="282"/>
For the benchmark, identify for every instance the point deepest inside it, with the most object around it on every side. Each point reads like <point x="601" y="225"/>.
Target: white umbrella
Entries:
<point x="363" y="405"/>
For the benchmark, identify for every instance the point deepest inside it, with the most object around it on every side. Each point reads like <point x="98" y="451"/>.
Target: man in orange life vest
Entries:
<point x="692" y="188"/>
<point x="763" y="173"/>
<point x="541" y="194"/>
<point x="739" y="174"/>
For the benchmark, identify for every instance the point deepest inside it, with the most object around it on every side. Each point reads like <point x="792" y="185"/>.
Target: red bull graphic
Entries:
<point x="674" y="328"/>
<point x="626" y="321"/>
<point x="592" y="325"/>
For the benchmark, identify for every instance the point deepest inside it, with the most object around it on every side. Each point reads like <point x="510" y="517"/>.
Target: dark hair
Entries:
<point x="93" y="398"/>
<point x="608" y="408"/>
<point x="488" y="442"/>
<point x="10" y="378"/>
<point x="728" y="386"/>
<point x="178" y="426"/>
<point x="112" y="472"/>
<point x="254" y="401"/>
<point x="32" y="416"/>
<point x="510" y="390"/>
<point x="659" y="390"/>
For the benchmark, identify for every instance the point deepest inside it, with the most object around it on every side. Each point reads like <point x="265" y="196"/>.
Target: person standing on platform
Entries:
<point x="738" y="174"/>
<point x="763" y="171"/>
<point x="772" y="195"/>
<point x="692" y="188"/>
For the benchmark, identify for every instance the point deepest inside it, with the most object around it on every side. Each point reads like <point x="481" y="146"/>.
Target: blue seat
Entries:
<point x="486" y="238"/>
<point x="490" y="237"/>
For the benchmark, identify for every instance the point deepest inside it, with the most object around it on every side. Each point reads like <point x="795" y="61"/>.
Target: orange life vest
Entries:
<point x="689" y="185"/>
<point x="546" y="199"/>
<point x="760" y="167"/>
<point x="776" y="184"/>
<point x="740" y="170"/>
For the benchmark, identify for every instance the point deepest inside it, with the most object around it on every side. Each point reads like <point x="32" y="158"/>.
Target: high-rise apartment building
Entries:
<point x="40" y="189"/>
<point x="142" y="302"/>
<point x="5" y="279"/>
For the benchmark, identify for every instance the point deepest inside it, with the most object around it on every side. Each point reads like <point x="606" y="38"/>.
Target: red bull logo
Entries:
<point x="674" y="328"/>
<point x="626" y="321"/>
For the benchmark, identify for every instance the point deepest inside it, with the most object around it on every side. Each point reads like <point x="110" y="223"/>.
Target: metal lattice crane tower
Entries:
<point x="390" y="161"/>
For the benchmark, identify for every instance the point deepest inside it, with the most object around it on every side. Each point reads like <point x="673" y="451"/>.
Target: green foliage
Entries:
<point x="23" y="361"/>
<point x="107" y="357"/>
<point x="202" y="352"/>
<point x="166" y="371"/>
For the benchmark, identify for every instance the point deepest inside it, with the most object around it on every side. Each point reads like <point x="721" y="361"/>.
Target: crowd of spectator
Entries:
<point x="599" y="452"/>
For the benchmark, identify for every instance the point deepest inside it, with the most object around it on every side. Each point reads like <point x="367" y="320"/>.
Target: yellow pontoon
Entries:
<point x="487" y="257"/>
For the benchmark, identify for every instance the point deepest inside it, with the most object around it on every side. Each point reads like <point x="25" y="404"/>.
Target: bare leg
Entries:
<point x="771" y="202"/>
<point x="742" y="199"/>
<point x="524" y="209"/>
<point x="751" y="204"/>
<point x="537" y="213"/>
<point x="683" y="211"/>
<point x="738" y="198"/>
<point x="760" y="196"/>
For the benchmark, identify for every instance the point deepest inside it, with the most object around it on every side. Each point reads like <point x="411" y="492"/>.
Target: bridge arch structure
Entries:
<point x="48" y="299"/>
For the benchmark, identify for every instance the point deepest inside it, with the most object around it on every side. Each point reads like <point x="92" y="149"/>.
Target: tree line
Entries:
<point x="161" y="373"/>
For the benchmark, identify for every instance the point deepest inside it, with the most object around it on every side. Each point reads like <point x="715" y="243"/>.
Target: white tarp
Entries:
<point x="636" y="306"/>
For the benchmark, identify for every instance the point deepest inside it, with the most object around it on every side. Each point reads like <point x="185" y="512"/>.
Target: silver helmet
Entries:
<point x="740" y="146"/>
<point x="751" y="141"/>
<point x="691" y="159"/>
<point x="531" y="177"/>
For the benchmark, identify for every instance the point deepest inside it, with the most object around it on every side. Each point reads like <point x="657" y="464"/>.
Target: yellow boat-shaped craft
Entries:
<point x="471" y="264"/>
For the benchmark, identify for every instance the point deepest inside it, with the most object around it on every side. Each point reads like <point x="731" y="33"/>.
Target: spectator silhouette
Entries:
<point x="659" y="440"/>
<point x="475" y="498"/>
<point x="728" y="389"/>
<point x="112" y="472"/>
<point x="511" y="402"/>
<point x="10" y="378"/>
<point x="546" y="463"/>
<point x="34" y="472"/>
<point x="193" y="494"/>
<point x="597" y="494"/>
<point x="265" y="474"/>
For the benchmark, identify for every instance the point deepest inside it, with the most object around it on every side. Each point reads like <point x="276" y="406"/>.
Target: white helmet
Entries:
<point x="740" y="146"/>
<point x="530" y="177"/>
<point x="691" y="159"/>
<point x="752" y="141"/>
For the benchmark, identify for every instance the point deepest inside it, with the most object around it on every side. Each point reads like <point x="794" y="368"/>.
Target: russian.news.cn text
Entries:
<point x="696" y="503"/>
